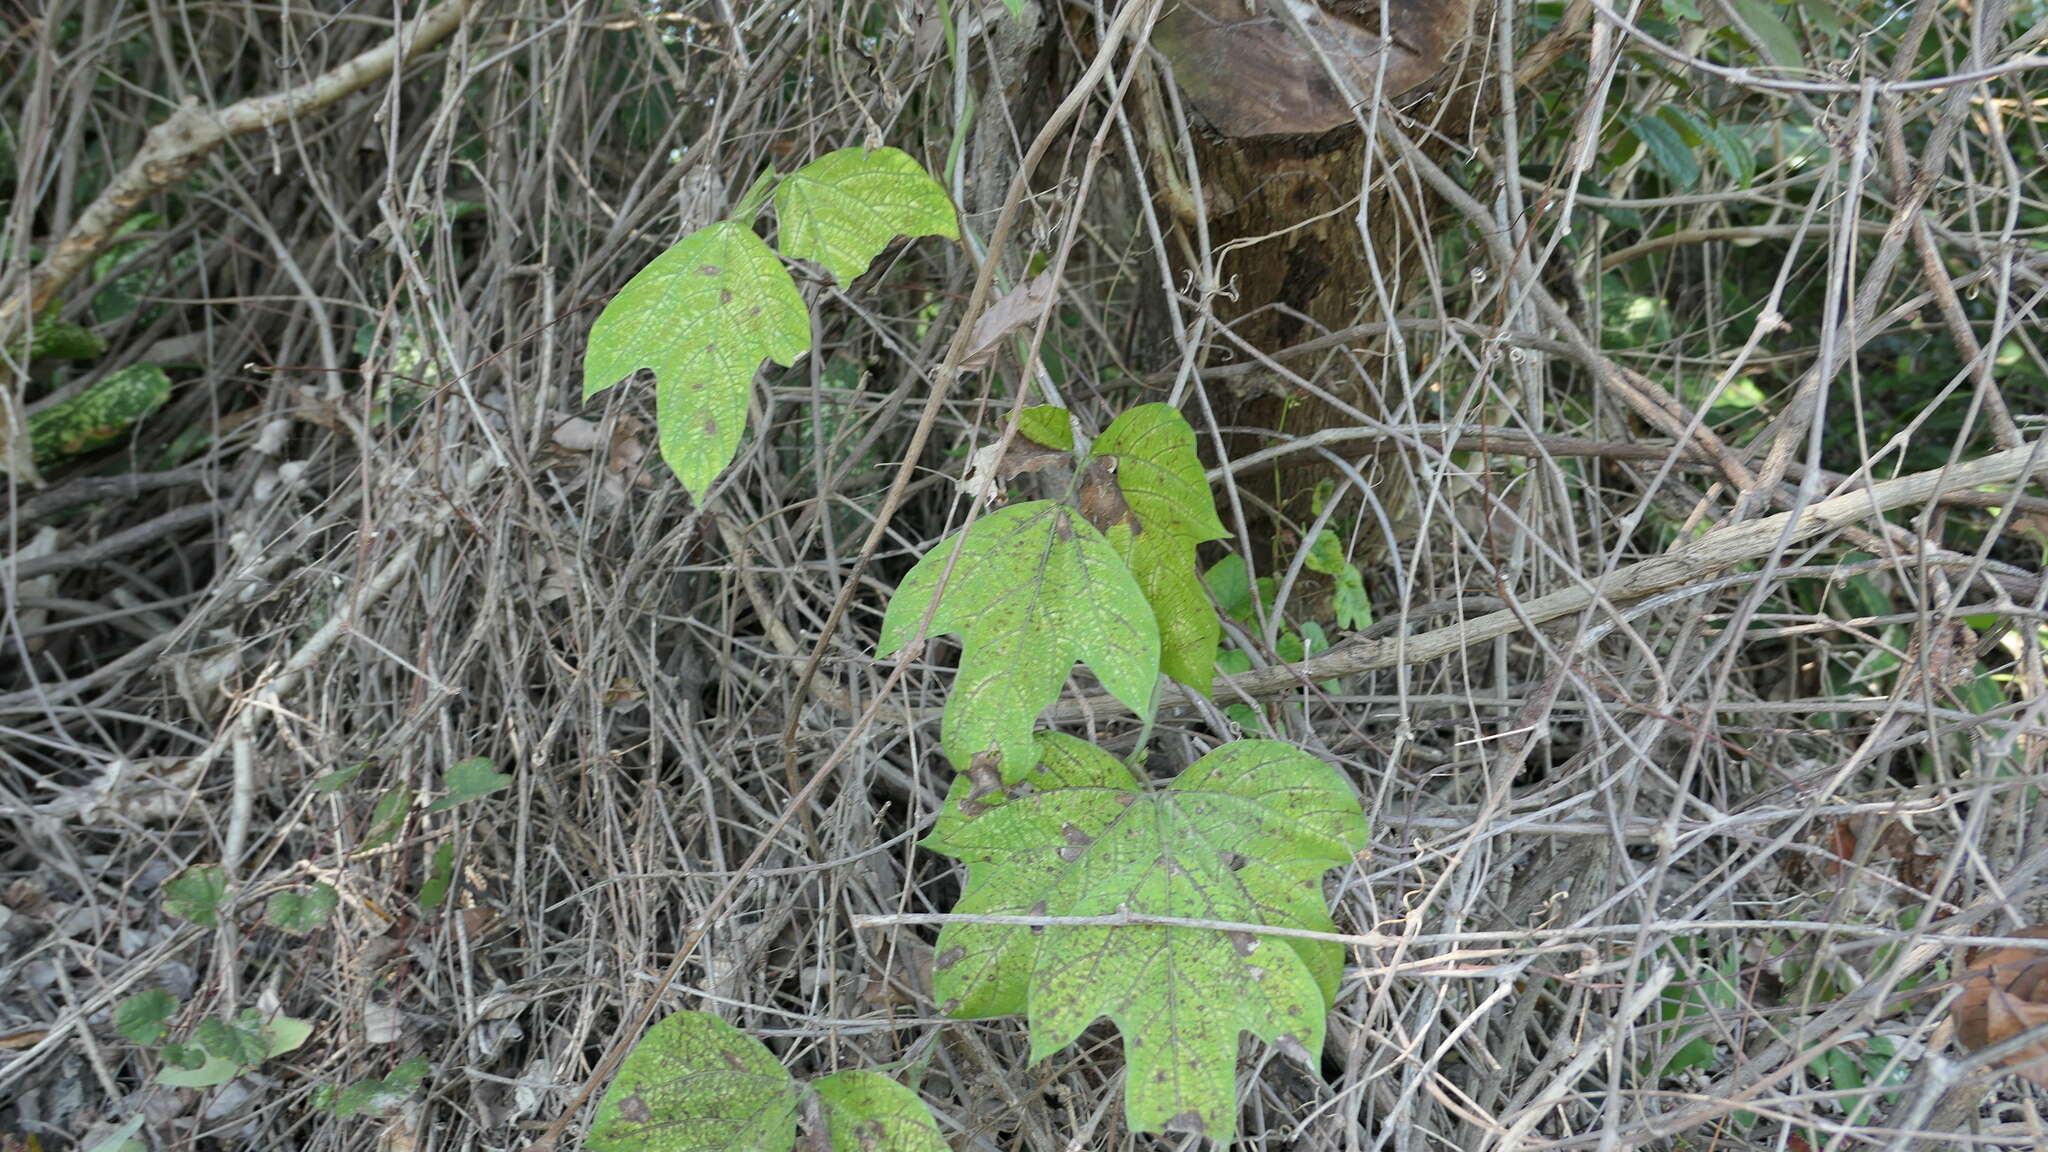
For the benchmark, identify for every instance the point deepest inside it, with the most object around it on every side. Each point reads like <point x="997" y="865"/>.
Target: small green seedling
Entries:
<point x="369" y="1097"/>
<point x="196" y="894"/>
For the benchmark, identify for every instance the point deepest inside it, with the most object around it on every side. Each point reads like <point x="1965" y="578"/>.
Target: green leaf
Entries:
<point x="227" y="1042"/>
<point x="300" y="912"/>
<point x="274" y="1037"/>
<point x="1244" y="835"/>
<point x="1353" y="606"/>
<point x="283" y="1033"/>
<point x="1047" y="424"/>
<point x="56" y="339"/>
<point x="1229" y="581"/>
<point x="387" y="818"/>
<point x="1161" y="512"/>
<point x="843" y="208"/>
<point x="1760" y="18"/>
<point x="367" y="1097"/>
<point x="696" y="1084"/>
<point x="340" y="778"/>
<point x="195" y="894"/>
<point x="184" y="1057"/>
<point x="868" y="1112"/>
<point x="1163" y="563"/>
<point x="468" y="780"/>
<point x="1326" y="555"/>
<point x="702" y="316"/>
<point x="99" y="415"/>
<point x="1159" y="472"/>
<point x="123" y="1138"/>
<point x="440" y="875"/>
<point x="1737" y="157"/>
<point x="1035" y="588"/>
<point x="144" y="1017"/>
<point x="1668" y="151"/>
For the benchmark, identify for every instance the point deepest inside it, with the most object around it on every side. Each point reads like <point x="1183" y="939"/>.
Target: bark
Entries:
<point x="1276" y="95"/>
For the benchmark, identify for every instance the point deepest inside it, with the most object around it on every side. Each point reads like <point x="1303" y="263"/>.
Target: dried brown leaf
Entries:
<point x="1951" y="657"/>
<point x="1010" y="312"/>
<point x="2005" y="993"/>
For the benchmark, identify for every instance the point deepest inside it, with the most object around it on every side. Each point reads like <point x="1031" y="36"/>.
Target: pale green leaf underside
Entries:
<point x="695" y="1083"/>
<point x="1244" y="835"/>
<point x="868" y="1112"/>
<point x="843" y="208"/>
<point x="702" y="316"/>
<point x="1035" y="588"/>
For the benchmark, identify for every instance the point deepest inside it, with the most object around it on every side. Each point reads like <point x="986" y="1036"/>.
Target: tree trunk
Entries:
<point x="1280" y="159"/>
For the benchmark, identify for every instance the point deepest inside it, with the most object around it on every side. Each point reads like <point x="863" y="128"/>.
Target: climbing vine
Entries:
<point x="1091" y="891"/>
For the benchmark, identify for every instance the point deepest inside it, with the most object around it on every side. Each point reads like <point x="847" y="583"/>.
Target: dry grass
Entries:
<point x="389" y="540"/>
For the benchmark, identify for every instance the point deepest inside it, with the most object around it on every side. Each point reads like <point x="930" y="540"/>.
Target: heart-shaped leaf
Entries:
<point x="868" y="1112"/>
<point x="695" y="1083"/>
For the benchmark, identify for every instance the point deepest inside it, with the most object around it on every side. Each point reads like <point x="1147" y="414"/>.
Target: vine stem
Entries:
<point x="942" y="382"/>
<point x="949" y="369"/>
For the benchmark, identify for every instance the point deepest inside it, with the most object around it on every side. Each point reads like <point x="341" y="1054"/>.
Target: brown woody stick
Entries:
<point x="1717" y="550"/>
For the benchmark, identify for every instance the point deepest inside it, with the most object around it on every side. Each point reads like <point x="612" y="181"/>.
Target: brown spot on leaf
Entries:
<point x="1102" y="501"/>
<point x="1077" y="842"/>
<point x="949" y="957"/>
<point x="985" y="773"/>
<point x="1190" y="1122"/>
<point x="1235" y="861"/>
<point x="732" y="1059"/>
<point x="1244" y="942"/>
<point x="635" y="1109"/>
<point x="709" y="270"/>
<point x="711" y="426"/>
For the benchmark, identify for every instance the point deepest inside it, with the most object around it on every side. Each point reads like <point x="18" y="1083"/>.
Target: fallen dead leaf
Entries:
<point x="2005" y="993"/>
<point x="1009" y="313"/>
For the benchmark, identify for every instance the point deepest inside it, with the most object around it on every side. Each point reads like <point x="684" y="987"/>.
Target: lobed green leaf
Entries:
<point x="843" y="208"/>
<point x="1035" y="588"/>
<point x="701" y="316"/>
<point x="1243" y="836"/>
